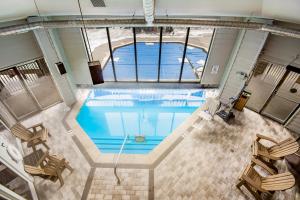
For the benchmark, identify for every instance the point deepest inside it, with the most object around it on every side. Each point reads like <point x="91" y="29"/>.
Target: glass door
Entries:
<point x="37" y="78"/>
<point x="264" y="80"/>
<point x="285" y="99"/>
<point x="28" y="88"/>
<point x="15" y="95"/>
<point x="13" y="184"/>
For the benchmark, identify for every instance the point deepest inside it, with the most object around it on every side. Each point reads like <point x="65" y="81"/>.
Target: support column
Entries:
<point x="53" y="52"/>
<point x="248" y="46"/>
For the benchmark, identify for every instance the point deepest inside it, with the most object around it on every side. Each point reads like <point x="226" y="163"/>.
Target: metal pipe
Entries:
<point x="148" y="6"/>
<point x="207" y="23"/>
<point x="85" y="45"/>
<point x="279" y="30"/>
<point x="118" y="158"/>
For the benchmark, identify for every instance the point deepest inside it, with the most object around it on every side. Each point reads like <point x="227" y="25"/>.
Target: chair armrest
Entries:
<point x="253" y="184"/>
<point x="269" y="156"/>
<point x="259" y="137"/>
<point x="263" y="165"/>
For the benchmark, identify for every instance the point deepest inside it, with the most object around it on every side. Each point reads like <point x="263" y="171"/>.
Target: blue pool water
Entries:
<point x="107" y="116"/>
<point x="147" y="61"/>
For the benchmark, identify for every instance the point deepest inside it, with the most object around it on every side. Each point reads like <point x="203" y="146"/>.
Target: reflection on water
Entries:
<point x="142" y="112"/>
<point x="151" y="113"/>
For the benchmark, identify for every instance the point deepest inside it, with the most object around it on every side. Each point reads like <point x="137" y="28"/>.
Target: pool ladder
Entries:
<point x="117" y="160"/>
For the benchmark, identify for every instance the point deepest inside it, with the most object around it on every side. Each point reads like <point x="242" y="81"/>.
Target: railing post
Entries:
<point x="117" y="161"/>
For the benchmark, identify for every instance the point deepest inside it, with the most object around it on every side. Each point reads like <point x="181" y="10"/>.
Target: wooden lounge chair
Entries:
<point x="49" y="167"/>
<point x="34" y="135"/>
<point x="256" y="184"/>
<point x="209" y="109"/>
<point x="275" y="152"/>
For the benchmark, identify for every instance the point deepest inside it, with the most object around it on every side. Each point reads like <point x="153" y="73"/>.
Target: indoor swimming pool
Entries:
<point x="108" y="116"/>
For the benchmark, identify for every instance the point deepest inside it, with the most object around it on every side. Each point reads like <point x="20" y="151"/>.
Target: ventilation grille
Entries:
<point x="98" y="3"/>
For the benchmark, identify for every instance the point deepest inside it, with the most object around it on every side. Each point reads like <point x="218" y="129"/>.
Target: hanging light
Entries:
<point x="94" y="66"/>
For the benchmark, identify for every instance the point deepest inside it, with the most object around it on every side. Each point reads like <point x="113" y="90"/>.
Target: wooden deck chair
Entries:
<point x="49" y="167"/>
<point x="34" y="135"/>
<point x="275" y="152"/>
<point x="256" y="184"/>
<point x="209" y="109"/>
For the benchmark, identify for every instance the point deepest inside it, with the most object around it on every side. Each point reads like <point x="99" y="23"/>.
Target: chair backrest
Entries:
<point x="53" y="165"/>
<point x="213" y="105"/>
<point x="21" y="132"/>
<point x="284" y="148"/>
<point x="258" y="149"/>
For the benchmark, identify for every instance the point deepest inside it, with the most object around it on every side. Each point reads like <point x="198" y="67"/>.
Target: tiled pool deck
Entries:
<point x="204" y="164"/>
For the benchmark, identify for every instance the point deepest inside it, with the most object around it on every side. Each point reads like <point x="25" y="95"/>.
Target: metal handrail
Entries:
<point x="117" y="161"/>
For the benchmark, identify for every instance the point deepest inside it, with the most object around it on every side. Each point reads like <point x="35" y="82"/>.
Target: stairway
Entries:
<point x="113" y="144"/>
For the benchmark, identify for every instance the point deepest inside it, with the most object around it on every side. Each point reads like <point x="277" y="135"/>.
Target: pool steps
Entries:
<point x="113" y="145"/>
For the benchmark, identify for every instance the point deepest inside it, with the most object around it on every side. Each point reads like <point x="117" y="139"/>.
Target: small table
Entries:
<point x="33" y="158"/>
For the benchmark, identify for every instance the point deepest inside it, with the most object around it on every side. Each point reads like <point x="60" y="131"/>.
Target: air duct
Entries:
<point x="123" y="22"/>
<point x="278" y="30"/>
<point x="148" y="6"/>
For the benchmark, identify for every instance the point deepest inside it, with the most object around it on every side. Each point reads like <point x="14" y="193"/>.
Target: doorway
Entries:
<point x="275" y="91"/>
<point x="28" y="88"/>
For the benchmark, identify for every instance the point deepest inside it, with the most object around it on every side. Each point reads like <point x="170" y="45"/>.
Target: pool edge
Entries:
<point x="149" y="160"/>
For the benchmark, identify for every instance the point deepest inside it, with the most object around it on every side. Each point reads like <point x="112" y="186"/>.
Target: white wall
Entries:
<point x="288" y="10"/>
<point x="73" y="45"/>
<point x="18" y="48"/>
<point x="283" y="10"/>
<point x="17" y="9"/>
<point x="282" y="50"/>
<point x="247" y="49"/>
<point x="209" y="7"/>
<point x="221" y="47"/>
